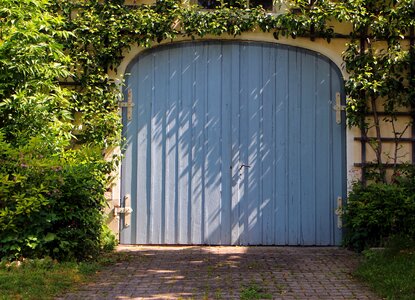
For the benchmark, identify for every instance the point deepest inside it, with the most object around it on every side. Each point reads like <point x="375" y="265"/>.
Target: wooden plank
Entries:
<point x="387" y="114"/>
<point x="127" y="170"/>
<point x="198" y="146"/>
<point x="184" y="151"/>
<point x="254" y="72"/>
<point x="338" y="155"/>
<point x="322" y="148"/>
<point x="158" y="146"/>
<point x="213" y="174"/>
<point x="307" y="151"/>
<point x="171" y="195"/>
<point x="281" y="166"/>
<point x="243" y="147"/>
<point x="144" y="97"/>
<point x="363" y="150"/>
<point x="226" y="143"/>
<point x="373" y="165"/>
<point x="386" y="139"/>
<point x="294" y="144"/>
<point x="235" y="140"/>
<point x="267" y="150"/>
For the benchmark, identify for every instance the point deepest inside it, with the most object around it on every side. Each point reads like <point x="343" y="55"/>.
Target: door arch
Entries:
<point x="233" y="143"/>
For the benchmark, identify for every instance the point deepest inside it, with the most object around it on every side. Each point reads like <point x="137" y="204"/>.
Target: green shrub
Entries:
<point x="51" y="205"/>
<point x="379" y="211"/>
<point x="51" y="186"/>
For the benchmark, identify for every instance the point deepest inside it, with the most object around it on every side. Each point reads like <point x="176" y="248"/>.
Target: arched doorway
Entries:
<point x="233" y="143"/>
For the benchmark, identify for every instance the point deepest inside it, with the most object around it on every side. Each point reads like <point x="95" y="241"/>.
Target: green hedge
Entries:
<point x="379" y="211"/>
<point x="51" y="204"/>
<point x="52" y="183"/>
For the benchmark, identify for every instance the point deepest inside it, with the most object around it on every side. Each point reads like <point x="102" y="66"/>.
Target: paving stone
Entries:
<point x="223" y="272"/>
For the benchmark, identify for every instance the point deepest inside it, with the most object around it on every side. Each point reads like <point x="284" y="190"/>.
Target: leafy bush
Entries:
<point x="379" y="211"/>
<point x="51" y="186"/>
<point x="51" y="205"/>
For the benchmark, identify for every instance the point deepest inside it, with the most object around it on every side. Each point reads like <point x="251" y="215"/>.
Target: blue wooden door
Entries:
<point x="233" y="143"/>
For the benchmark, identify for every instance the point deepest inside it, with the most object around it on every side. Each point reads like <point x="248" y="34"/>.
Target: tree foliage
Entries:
<point x="31" y="60"/>
<point x="51" y="194"/>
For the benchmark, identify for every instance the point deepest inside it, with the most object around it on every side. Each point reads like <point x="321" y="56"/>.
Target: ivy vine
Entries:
<point x="378" y="55"/>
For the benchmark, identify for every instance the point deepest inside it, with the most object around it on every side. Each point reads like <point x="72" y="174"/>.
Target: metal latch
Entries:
<point x="126" y="210"/>
<point x="339" y="108"/>
<point x="242" y="167"/>
<point x="129" y="104"/>
<point x="339" y="212"/>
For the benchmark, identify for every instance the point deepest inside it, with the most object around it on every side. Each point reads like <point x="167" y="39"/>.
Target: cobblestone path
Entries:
<point x="227" y="273"/>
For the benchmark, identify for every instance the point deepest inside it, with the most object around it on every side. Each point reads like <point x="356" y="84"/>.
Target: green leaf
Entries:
<point x="50" y="237"/>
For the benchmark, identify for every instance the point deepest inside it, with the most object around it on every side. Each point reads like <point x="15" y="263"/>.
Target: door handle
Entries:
<point x="244" y="166"/>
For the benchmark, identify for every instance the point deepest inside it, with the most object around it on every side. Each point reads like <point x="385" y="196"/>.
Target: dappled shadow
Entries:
<point x="232" y="143"/>
<point x="226" y="272"/>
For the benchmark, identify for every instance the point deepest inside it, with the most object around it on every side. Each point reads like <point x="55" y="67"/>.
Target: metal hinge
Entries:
<point x="339" y="108"/>
<point x="129" y="104"/>
<point x="126" y="210"/>
<point x="122" y="210"/>
<point x="339" y="212"/>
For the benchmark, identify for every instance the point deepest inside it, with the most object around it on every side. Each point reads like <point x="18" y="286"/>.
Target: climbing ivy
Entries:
<point x="104" y="30"/>
<point x="377" y="55"/>
<point x="378" y="59"/>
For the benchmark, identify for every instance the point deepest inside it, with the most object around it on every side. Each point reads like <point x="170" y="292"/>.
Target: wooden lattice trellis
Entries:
<point x="364" y="139"/>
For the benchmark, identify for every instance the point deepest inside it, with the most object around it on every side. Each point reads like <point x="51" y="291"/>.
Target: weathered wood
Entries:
<point x="375" y="165"/>
<point x="385" y="139"/>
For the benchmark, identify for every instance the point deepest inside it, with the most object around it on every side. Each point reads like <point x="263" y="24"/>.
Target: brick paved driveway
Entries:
<point x="227" y="273"/>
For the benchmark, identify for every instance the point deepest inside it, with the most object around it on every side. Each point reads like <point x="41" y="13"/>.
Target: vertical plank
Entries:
<point x="307" y="151"/>
<point x="253" y="144"/>
<point x="198" y="115"/>
<point x="338" y="153"/>
<point x="171" y="146"/>
<point x="226" y="144"/>
<point x="267" y="151"/>
<point x="142" y="182"/>
<point x="294" y="75"/>
<point x="243" y="147"/>
<point x="322" y="147"/>
<point x="184" y="150"/>
<point x="213" y="144"/>
<point x="158" y="138"/>
<point x="235" y="141"/>
<point x="127" y="235"/>
<point x="280" y="164"/>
